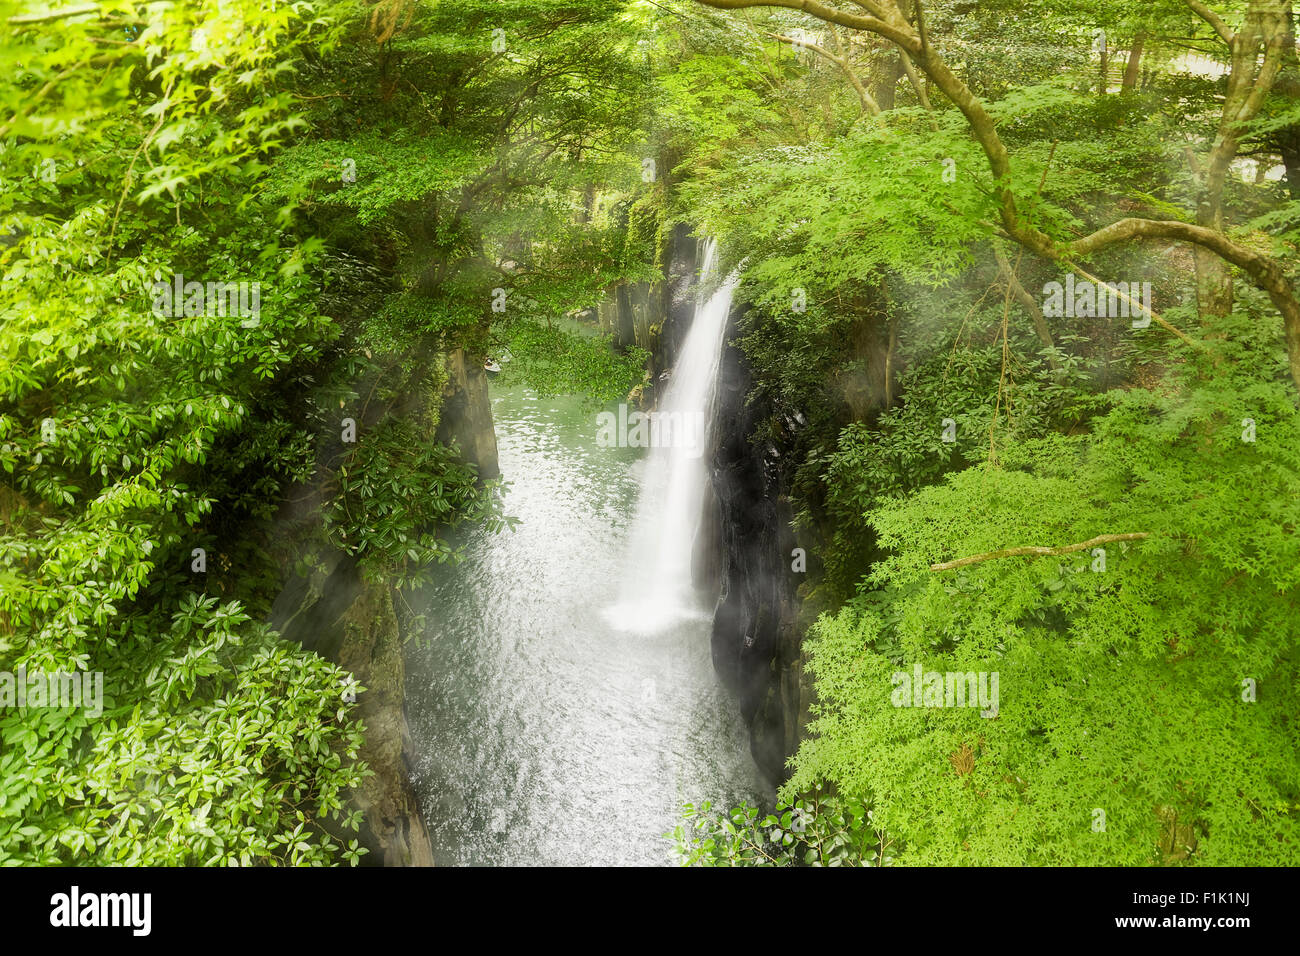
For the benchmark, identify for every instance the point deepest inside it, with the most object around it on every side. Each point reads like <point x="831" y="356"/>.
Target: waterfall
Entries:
<point x="658" y="590"/>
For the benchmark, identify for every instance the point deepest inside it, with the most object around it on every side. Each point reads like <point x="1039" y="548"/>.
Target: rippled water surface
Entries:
<point x="544" y="734"/>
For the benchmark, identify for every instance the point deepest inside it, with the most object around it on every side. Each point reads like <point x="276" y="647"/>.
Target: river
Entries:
<point x="548" y="730"/>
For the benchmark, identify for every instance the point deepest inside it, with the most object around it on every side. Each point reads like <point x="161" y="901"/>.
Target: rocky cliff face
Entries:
<point x="348" y="620"/>
<point x="466" y="413"/>
<point x="335" y="612"/>
<point x="656" y="315"/>
<point x="746" y="550"/>
<point x="768" y="596"/>
<point x="743" y="549"/>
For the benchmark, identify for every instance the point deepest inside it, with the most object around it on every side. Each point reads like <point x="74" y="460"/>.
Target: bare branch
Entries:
<point x="1273" y="46"/>
<point x="1130" y="228"/>
<point x="1136" y="305"/>
<point x="819" y="10"/>
<point x="873" y="8"/>
<point x="869" y="104"/>
<point x="1026" y="300"/>
<point x="1033" y="551"/>
<point x="910" y="69"/>
<point x="920" y="26"/>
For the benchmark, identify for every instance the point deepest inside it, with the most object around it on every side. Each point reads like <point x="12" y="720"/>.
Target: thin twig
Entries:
<point x="126" y="184"/>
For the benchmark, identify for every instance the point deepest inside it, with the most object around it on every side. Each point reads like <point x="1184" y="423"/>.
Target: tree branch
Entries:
<point x="1131" y="228"/>
<point x="1137" y="306"/>
<point x="40" y="94"/>
<point x="819" y="10"/>
<point x="869" y="105"/>
<point x="1213" y="19"/>
<point x="1026" y="300"/>
<point x="915" y="80"/>
<point x="1263" y="17"/>
<point x="873" y="8"/>
<point x="1032" y="551"/>
<point x="28" y="18"/>
<point x="920" y="26"/>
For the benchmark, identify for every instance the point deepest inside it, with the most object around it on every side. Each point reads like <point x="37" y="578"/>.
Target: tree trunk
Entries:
<point x="1287" y="140"/>
<point x="588" y="204"/>
<point x="1213" y="284"/>
<point x="1134" y="64"/>
<point x="887" y="80"/>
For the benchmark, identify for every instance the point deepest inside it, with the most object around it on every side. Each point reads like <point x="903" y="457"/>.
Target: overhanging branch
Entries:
<point x="1034" y="552"/>
<point x="1264" y="18"/>
<point x="869" y="104"/>
<point x="1213" y="19"/>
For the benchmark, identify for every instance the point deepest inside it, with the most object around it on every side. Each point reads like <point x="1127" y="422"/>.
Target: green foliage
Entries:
<point x="376" y="172"/>
<point x="1125" y="679"/>
<point x="817" y="216"/>
<point x="817" y="830"/>
<point x="218" y="743"/>
<point x="961" y="393"/>
<point x="502" y="147"/>
<point x="1121" y="689"/>
<point x="398" y="496"/>
<point x="712" y="100"/>
<point x="131" y="435"/>
<point x="217" y="141"/>
<point x="555" y="361"/>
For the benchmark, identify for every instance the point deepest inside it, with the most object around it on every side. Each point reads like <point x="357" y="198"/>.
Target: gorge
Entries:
<point x="546" y="432"/>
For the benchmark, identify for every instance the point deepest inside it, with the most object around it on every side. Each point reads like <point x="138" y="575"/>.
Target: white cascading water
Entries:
<point x="658" y="589"/>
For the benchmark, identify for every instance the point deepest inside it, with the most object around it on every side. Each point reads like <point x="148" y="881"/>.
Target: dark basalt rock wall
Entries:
<point x="466" y="416"/>
<point x="656" y="315"/>
<point x="745" y="550"/>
